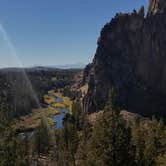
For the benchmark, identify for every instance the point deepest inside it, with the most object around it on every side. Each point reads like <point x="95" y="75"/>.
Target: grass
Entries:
<point x="48" y="99"/>
<point x="53" y="79"/>
<point x="33" y="120"/>
<point x="58" y="105"/>
<point x="67" y="102"/>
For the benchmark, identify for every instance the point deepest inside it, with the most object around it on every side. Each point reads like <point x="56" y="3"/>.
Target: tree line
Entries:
<point x="109" y="141"/>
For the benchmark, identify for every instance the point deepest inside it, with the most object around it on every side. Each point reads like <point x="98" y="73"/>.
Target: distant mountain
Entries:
<point x="43" y="68"/>
<point x="19" y="69"/>
<point x="70" y="66"/>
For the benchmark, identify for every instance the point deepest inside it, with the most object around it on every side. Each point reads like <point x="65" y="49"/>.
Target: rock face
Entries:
<point x="156" y="6"/>
<point x="131" y="59"/>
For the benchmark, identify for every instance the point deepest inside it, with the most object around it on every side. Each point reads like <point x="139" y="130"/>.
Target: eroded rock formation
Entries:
<point x="156" y="6"/>
<point x="131" y="59"/>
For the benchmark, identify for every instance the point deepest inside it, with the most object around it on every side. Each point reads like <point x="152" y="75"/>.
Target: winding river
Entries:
<point x="62" y="111"/>
<point x="59" y="118"/>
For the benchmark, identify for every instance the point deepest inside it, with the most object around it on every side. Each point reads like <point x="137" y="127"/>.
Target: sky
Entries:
<point x="54" y="32"/>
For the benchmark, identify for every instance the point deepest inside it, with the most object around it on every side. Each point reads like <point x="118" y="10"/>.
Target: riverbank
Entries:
<point x="53" y="113"/>
<point x="33" y="120"/>
<point x="66" y="100"/>
<point x="61" y="103"/>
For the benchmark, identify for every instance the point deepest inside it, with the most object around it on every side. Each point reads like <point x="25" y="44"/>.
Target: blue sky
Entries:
<point x="56" y="32"/>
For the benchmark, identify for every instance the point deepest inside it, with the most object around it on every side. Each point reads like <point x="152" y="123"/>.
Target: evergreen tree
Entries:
<point x="154" y="141"/>
<point x="77" y="113"/>
<point x="85" y="135"/>
<point x="67" y="141"/>
<point x="161" y="160"/>
<point x="110" y="142"/>
<point x="111" y="102"/>
<point x="138" y="142"/>
<point x="149" y="141"/>
<point x="11" y="152"/>
<point x="41" y="139"/>
<point x="11" y="149"/>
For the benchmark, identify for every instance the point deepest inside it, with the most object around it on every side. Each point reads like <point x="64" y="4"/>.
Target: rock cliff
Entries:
<point x="131" y="59"/>
<point x="156" y="6"/>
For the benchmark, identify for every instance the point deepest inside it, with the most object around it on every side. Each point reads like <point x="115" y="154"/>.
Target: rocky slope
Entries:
<point x="131" y="60"/>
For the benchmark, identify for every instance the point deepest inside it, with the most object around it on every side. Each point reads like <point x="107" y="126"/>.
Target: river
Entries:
<point x="59" y="117"/>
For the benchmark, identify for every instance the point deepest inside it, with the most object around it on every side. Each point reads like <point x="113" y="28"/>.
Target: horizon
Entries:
<point x="63" y="66"/>
<point x="41" y="34"/>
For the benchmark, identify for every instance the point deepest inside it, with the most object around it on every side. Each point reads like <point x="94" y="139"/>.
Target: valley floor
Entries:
<point x="54" y="102"/>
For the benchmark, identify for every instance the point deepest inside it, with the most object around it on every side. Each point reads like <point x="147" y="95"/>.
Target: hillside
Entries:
<point x="22" y="89"/>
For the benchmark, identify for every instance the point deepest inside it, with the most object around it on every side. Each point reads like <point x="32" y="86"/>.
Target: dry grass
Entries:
<point x="58" y="105"/>
<point x="67" y="102"/>
<point x="33" y="120"/>
<point x="48" y="99"/>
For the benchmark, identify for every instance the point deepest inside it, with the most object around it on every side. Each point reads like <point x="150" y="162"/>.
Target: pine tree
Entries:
<point x="110" y="142"/>
<point x="111" y="102"/>
<point x="11" y="152"/>
<point x="11" y="149"/>
<point x="67" y="141"/>
<point x="154" y="142"/>
<point x="41" y="139"/>
<point x="85" y="135"/>
<point x="76" y="112"/>
<point x="149" y="141"/>
<point x="138" y="142"/>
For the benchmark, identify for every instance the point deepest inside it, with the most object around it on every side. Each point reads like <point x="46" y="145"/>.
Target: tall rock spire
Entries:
<point x="156" y="6"/>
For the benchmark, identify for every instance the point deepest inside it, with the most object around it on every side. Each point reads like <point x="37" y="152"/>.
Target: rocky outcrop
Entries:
<point x="131" y="59"/>
<point x="156" y="6"/>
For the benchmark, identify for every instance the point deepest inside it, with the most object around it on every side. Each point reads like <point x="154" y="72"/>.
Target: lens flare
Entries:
<point x="14" y="55"/>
